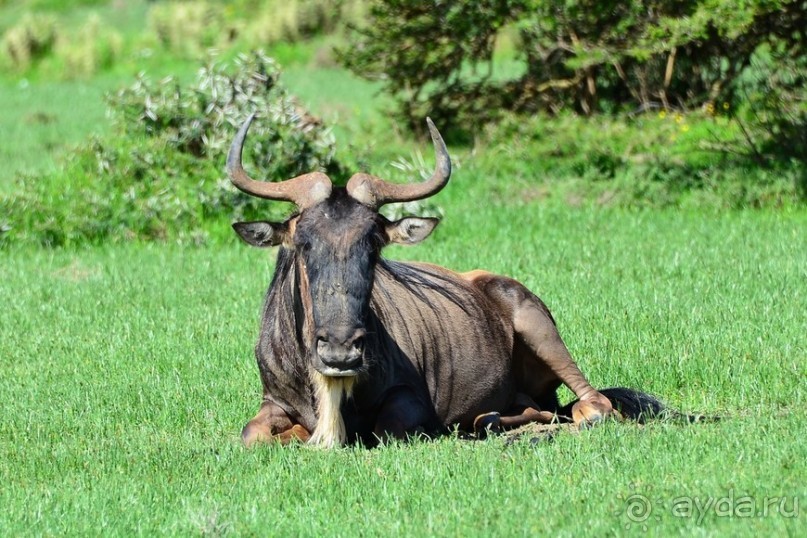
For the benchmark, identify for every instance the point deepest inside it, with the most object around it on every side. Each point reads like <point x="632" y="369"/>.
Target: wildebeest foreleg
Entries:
<point x="272" y="424"/>
<point x="402" y="414"/>
<point x="524" y="411"/>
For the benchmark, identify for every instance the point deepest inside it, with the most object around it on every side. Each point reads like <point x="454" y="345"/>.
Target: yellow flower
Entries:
<point x="679" y="118"/>
<point x="662" y="114"/>
<point x="685" y="127"/>
<point x="725" y="105"/>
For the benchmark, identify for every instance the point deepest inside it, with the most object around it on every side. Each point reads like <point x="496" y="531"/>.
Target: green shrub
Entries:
<point x="62" y="5"/>
<point x="647" y="160"/>
<point x="94" y="48"/>
<point x="35" y="43"/>
<point x="588" y="56"/>
<point x="190" y="27"/>
<point x="31" y="39"/>
<point x="187" y="28"/>
<point x="292" y="20"/>
<point x="773" y="106"/>
<point x="161" y="173"/>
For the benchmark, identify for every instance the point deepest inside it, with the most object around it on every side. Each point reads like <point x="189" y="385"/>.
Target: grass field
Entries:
<point x="129" y="373"/>
<point x="42" y="122"/>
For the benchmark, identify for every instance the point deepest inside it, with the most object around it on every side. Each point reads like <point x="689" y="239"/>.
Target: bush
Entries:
<point x="588" y="56"/>
<point x="187" y="28"/>
<point x="190" y="27"/>
<point x="160" y="174"/>
<point x="647" y="160"/>
<point x="31" y="39"/>
<point x="95" y="47"/>
<point x="773" y="96"/>
<point x="292" y="20"/>
<point x="422" y="52"/>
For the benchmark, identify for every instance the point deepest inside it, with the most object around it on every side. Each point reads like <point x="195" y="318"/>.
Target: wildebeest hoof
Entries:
<point x="488" y="422"/>
<point x="253" y="434"/>
<point x="590" y="411"/>
<point x="295" y="433"/>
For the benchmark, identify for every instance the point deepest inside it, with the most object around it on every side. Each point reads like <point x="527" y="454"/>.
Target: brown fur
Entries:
<point x="356" y="348"/>
<point x="457" y="346"/>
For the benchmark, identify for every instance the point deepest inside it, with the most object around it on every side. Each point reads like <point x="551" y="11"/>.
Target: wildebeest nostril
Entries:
<point x="357" y="339"/>
<point x="322" y="335"/>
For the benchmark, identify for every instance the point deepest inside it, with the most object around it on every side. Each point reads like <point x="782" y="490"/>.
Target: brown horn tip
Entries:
<point x="304" y="191"/>
<point x="375" y="192"/>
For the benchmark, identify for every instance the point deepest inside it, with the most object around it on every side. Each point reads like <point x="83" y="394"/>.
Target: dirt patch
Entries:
<point x="75" y="272"/>
<point x="539" y="433"/>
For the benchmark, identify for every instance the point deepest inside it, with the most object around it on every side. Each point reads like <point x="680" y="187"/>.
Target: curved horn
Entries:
<point x="305" y="190"/>
<point x="375" y="192"/>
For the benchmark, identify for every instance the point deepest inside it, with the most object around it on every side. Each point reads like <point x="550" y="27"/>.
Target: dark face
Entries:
<point x="337" y="244"/>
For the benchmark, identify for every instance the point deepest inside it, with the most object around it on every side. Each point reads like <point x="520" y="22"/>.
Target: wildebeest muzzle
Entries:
<point x="340" y="351"/>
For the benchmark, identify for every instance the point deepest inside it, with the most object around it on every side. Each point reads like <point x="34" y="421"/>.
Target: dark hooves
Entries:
<point x="487" y="423"/>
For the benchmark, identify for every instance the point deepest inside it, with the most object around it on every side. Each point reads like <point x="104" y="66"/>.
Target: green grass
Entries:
<point x="129" y="373"/>
<point x="42" y="122"/>
<point x="128" y="368"/>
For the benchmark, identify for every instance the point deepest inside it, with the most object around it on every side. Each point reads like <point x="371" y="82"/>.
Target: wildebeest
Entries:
<point x="354" y="347"/>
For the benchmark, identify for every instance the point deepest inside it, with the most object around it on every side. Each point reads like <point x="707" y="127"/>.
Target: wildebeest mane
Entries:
<point x="417" y="280"/>
<point x="282" y="296"/>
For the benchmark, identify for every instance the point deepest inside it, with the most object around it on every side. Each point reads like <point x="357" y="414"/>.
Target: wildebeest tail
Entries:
<point x="640" y="406"/>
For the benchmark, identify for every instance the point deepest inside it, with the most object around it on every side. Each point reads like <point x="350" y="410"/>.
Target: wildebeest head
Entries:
<point x="335" y="240"/>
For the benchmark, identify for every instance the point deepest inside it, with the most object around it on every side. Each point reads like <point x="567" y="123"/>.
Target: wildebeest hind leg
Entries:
<point x="272" y="424"/>
<point x="543" y="357"/>
<point x="537" y="331"/>
<point x="524" y="411"/>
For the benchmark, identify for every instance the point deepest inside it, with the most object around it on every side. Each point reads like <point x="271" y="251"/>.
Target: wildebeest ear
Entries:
<point x="411" y="230"/>
<point x="262" y="233"/>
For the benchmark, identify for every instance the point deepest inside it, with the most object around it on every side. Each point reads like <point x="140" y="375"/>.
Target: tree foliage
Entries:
<point x="439" y="58"/>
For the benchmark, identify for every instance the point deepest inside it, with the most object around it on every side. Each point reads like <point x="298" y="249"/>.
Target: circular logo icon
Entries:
<point x="638" y="508"/>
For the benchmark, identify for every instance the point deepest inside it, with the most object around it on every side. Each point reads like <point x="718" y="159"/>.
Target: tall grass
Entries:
<point x="129" y="373"/>
<point x="128" y="368"/>
<point x="42" y="122"/>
